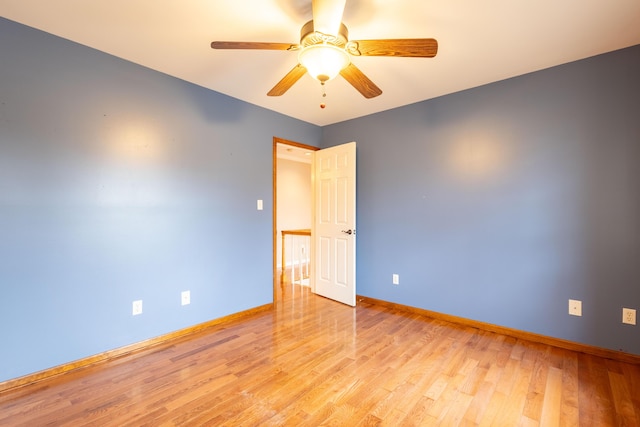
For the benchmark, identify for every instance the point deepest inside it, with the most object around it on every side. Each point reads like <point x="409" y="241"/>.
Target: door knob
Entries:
<point x="349" y="231"/>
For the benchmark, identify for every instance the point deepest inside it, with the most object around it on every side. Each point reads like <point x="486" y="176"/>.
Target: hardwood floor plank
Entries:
<point x="386" y="407"/>
<point x="595" y="395"/>
<point x="311" y="361"/>
<point x="527" y="422"/>
<point x="538" y="386"/>
<point x="517" y="399"/>
<point x="478" y="405"/>
<point x="550" y="415"/>
<point x="631" y="374"/>
<point x="494" y="407"/>
<point x="569" y="406"/>
<point x="453" y="413"/>
<point x="622" y="399"/>
<point x="394" y="418"/>
<point x="418" y="415"/>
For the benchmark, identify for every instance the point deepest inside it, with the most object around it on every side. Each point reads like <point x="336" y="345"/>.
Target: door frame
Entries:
<point x="276" y="141"/>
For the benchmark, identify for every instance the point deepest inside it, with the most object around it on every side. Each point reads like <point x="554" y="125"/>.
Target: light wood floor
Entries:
<point x="315" y="362"/>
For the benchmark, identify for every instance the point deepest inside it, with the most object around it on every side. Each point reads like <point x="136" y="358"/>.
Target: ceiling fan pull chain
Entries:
<point x="324" y="94"/>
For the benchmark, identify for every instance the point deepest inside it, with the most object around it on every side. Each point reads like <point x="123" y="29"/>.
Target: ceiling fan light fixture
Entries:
<point x="323" y="61"/>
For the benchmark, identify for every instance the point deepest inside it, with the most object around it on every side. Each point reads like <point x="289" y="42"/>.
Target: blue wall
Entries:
<point x="119" y="183"/>
<point x="502" y="202"/>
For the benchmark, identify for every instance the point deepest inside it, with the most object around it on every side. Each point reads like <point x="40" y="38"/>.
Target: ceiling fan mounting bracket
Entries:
<point x="353" y="48"/>
<point x="309" y="36"/>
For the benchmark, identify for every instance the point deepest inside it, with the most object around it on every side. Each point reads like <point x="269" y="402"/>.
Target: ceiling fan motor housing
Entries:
<point x="309" y="36"/>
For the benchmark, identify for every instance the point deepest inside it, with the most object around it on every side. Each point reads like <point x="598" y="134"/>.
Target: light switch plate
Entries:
<point x="185" y="297"/>
<point x="260" y="205"/>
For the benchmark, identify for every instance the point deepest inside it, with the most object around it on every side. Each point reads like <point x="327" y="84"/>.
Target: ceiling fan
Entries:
<point x="325" y="50"/>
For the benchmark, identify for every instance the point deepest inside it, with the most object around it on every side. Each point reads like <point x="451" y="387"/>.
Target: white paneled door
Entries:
<point x="335" y="223"/>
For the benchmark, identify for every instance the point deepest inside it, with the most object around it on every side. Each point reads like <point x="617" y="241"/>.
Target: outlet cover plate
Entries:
<point x="629" y="316"/>
<point x="395" y="279"/>
<point x="575" y="307"/>
<point x="136" y="307"/>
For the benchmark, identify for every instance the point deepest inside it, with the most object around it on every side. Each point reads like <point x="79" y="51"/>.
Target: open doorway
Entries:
<point x="292" y="215"/>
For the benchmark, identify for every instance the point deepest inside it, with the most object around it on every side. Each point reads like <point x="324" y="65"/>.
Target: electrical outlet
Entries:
<point x="575" y="307"/>
<point x="629" y="316"/>
<point x="185" y="297"/>
<point x="137" y="307"/>
<point x="395" y="279"/>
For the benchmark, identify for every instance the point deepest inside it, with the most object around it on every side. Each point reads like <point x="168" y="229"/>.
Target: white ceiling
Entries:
<point x="480" y="41"/>
<point x="293" y="153"/>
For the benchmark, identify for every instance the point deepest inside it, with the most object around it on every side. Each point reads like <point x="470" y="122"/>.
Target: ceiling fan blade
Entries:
<point x="362" y="83"/>
<point x="327" y="15"/>
<point x="287" y="81"/>
<point x="253" y="45"/>
<point x="421" y="48"/>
